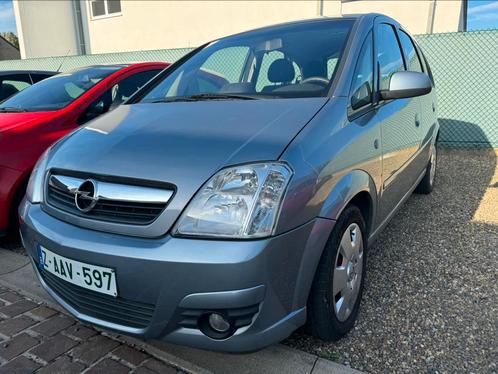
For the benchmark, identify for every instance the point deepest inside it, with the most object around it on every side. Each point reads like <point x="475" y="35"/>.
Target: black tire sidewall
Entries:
<point x="322" y="320"/>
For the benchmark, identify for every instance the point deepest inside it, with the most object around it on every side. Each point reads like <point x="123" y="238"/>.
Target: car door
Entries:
<point x="400" y="123"/>
<point x="414" y="62"/>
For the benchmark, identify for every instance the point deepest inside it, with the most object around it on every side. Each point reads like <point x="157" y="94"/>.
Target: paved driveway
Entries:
<point x="431" y="297"/>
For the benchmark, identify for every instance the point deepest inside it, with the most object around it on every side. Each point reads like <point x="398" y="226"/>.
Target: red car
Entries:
<point x="36" y="117"/>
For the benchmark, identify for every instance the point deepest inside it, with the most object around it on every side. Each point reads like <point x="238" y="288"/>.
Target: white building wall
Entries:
<point x="46" y="28"/>
<point x="153" y="24"/>
<point x="49" y="27"/>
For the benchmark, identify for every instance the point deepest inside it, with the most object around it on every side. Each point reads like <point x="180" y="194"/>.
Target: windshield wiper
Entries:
<point x="170" y="100"/>
<point x="11" y="109"/>
<point x="203" y="96"/>
<point x="219" y="96"/>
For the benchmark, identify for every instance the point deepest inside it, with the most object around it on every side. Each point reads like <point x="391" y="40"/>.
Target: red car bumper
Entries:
<point x="9" y="181"/>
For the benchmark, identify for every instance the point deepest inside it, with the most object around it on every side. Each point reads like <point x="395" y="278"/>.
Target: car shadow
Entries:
<point x="431" y="286"/>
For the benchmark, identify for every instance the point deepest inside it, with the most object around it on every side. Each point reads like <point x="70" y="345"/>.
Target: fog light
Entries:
<point x="218" y="322"/>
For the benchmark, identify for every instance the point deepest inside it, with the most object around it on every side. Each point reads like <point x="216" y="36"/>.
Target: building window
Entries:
<point x="102" y="8"/>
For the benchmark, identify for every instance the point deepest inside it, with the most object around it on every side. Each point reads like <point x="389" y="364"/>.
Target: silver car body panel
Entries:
<point x="336" y="156"/>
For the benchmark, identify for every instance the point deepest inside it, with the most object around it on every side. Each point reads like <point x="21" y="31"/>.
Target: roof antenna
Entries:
<point x="62" y="62"/>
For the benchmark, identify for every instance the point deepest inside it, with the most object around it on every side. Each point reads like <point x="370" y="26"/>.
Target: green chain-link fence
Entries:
<point x="465" y="67"/>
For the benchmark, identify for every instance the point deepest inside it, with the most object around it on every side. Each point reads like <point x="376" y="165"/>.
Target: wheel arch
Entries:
<point x="358" y="188"/>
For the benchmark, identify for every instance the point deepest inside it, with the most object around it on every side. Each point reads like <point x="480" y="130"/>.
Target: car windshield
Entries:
<point x="58" y="91"/>
<point x="288" y="61"/>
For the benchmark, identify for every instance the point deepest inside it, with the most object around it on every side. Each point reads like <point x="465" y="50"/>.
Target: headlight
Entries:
<point x="238" y="202"/>
<point x="34" y="191"/>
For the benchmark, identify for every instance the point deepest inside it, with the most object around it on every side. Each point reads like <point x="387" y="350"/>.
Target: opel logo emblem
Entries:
<point x="85" y="197"/>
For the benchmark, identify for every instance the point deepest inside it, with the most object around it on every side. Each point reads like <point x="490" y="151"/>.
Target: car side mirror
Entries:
<point x="362" y="96"/>
<point x="404" y="84"/>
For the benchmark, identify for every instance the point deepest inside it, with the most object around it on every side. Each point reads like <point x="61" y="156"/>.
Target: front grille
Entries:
<point x="107" y="308"/>
<point x="110" y="210"/>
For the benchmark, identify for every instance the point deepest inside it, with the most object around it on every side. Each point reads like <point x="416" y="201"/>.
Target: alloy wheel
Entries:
<point x="348" y="272"/>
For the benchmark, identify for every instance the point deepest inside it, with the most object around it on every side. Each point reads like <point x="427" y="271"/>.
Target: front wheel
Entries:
<point x="338" y="285"/>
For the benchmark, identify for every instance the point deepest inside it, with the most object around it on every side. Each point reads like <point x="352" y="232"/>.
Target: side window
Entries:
<point x="388" y="55"/>
<point x="97" y="108"/>
<point x="331" y="65"/>
<point x="227" y="63"/>
<point x="12" y="84"/>
<point x="362" y="85"/>
<point x="268" y="59"/>
<point x="39" y="77"/>
<point x="122" y="90"/>
<point x="116" y="95"/>
<point x="105" y="7"/>
<point x="413" y="61"/>
<point x="427" y="67"/>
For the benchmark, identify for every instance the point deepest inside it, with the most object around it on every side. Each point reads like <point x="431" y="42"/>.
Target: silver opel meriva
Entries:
<point x="233" y="198"/>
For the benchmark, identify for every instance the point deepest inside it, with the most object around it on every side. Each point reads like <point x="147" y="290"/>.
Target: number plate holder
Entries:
<point x="91" y="277"/>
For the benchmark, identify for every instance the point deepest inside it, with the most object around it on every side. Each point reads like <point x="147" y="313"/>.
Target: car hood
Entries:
<point x="182" y="143"/>
<point x="9" y="121"/>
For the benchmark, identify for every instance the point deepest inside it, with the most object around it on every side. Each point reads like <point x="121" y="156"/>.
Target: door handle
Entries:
<point x="417" y="121"/>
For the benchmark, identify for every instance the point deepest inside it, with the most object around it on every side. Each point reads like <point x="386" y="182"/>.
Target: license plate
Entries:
<point x="92" y="277"/>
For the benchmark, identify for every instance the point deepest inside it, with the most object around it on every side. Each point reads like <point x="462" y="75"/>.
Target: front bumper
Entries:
<point x="8" y="180"/>
<point x="175" y="276"/>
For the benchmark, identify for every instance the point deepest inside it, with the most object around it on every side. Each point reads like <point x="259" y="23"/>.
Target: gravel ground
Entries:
<point x="431" y="294"/>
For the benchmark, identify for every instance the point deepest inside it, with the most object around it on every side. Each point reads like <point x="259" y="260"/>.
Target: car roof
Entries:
<point x="119" y="67"/>
<point x="354" y="17"/>
<point x="9" y="72"/>
<point x="307" y="21"/>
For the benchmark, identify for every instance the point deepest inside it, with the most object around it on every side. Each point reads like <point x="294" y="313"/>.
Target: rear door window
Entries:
<point x="413" y="61"/>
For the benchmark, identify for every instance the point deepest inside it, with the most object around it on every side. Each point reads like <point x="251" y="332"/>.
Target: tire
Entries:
<point x="327" y="318"/>
<point x="426" y="185"/>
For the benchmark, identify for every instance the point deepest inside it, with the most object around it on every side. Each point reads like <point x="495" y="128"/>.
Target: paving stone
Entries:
<point x="80" y="331"/>
<point x="53" y="347"/>
<point x="19" y="365"/>
<point x="133" y="356"/>
<point x="108" y="366"/>
<point x="12" y="326"/>
<point x="53" y="325"/>
<point x="63" y="365"/>
<point x="143" y="370"/>
<point x="159" y="367"/>
<point x="17" y="345"/>
<point x="42" y="312"/>
<point x="93" y="349"/>
<point x="17" y="308"/>
<point x="11" y="297"/>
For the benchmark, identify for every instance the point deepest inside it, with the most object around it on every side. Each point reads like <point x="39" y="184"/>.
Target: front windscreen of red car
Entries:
<point x="58" y="91"/>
